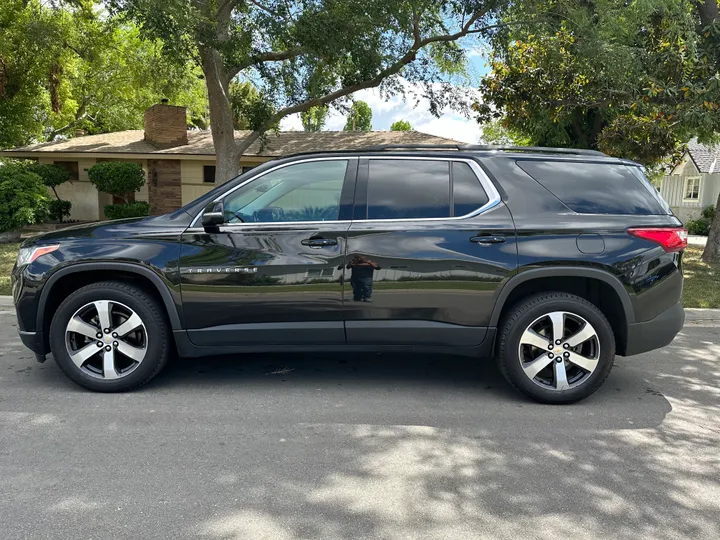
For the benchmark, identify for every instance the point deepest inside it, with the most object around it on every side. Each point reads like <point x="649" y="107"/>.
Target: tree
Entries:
<point x="309" y="53"/>
<point x="314" y="118"/>
<point x="634" y="80"/>
<point x="494" y="132"/>
<point x="121" y="179"/>
<point x="65" y="67"/>
<point x="359" y="117"/>
<point x="23" y="197"/>
<point x="53" y="176"/>
<point x="400" y="125"/>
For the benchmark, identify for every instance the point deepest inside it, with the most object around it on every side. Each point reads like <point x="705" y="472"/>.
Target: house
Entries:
<point x="180" y="164"/>
<point x="694" y="183"/>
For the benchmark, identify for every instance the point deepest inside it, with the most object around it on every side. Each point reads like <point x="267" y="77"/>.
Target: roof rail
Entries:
<point x="482" y="148"/>
<point x="540" y="149"/>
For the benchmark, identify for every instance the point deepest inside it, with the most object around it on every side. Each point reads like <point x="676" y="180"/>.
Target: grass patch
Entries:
<point x="8" y="254"/>
<point x="702" y="280"/>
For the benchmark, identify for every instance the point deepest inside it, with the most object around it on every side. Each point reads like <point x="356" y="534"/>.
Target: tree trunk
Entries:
<point x="221" y="118"/>
<point x="712" y="248"/>
<point x="708" y="11"/>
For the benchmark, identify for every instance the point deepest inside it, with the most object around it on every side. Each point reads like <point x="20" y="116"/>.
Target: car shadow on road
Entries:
<point x="398" y="387"/>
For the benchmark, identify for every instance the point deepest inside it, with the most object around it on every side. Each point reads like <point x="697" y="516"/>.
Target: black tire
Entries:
<point x="153" y="317"/>
<point x="528" y="310"/>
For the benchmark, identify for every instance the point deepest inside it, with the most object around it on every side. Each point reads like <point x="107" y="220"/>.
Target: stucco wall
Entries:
<point x="191" y="173"/>
<point x="81" y="193"/>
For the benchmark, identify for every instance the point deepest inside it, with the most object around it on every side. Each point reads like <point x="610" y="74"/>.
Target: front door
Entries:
<point x="273" y="272"/>
<point x="429" y="244"/>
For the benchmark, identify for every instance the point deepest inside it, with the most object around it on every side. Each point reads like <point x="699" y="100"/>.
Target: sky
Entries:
<point x="451" y="124"/>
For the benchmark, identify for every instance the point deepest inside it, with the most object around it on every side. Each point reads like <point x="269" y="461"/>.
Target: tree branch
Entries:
<point x="264" y="8"/>
<point x="391" y="70"/>
<point x="270" y="56"/>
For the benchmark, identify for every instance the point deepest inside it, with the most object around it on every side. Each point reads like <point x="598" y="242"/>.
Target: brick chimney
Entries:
<point x="166" y="125"/>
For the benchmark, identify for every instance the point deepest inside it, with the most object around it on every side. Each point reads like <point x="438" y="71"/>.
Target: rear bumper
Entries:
<point x="655" y="333"/>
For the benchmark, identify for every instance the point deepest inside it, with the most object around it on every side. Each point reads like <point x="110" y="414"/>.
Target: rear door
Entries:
<point x="430" y="242"/>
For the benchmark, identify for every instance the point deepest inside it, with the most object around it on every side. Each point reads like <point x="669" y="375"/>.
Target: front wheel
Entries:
<point x="110" y="337"/>
<point x="556" y="347"/>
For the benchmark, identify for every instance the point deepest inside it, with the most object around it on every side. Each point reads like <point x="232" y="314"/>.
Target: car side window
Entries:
<point x="307" y="191"/>
<point x="468" y="193"/>
<point x="408" y="189"/>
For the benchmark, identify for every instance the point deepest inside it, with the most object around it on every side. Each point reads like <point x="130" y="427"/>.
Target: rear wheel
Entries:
<point x="110" y="337"/>
<point x="556" y="347"/>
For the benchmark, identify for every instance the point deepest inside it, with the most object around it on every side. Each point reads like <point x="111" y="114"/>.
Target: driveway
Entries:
<point x="362" y="447"/>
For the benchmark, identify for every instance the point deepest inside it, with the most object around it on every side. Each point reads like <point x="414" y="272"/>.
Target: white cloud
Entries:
<point x="450" y="124"/>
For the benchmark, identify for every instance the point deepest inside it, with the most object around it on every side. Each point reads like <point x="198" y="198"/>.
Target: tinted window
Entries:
<point x="405" y="189"/>
<point x="209" y="174"/>
<point x="303" y="192"/>
<point x="594" y="188"/>
<point x="468" y="193"/>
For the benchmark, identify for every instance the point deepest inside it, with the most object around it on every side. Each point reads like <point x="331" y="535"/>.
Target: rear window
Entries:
<point x="596" y="188"/>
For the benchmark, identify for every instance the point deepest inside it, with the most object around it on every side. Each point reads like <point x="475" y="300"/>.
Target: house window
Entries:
<point x="320" y="272"/>
<point x="69" y="166"/>
<point x="209" y="174"/>
<point x="692" y="188"/>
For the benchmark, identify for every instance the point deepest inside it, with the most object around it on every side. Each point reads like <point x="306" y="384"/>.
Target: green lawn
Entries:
<point x="8" y="253"/>
<point x="702" y="280"/>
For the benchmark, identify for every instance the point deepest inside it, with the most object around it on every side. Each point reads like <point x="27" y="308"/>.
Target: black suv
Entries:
<point x="550" y="260"/>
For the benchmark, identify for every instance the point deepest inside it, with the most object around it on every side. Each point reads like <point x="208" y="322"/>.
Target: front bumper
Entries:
<point x="655" y="333"/>
<point x="35" y="342"/>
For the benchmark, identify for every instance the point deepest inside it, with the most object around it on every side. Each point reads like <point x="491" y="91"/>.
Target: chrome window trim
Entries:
<point x="494" y="198"/>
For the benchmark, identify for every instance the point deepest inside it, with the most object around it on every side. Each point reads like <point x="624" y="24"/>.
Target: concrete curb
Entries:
<point x="6" y="301"/>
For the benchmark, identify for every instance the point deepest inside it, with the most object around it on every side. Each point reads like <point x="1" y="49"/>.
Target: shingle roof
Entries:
<point x="706" y="158"/>
<point x="200" y="143"/>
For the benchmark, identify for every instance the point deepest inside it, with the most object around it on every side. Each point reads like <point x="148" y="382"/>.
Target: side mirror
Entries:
<point x="214" y="215"/>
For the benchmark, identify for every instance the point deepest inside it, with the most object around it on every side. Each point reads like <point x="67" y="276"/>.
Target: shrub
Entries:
<point x="59" y="209"/>
<point x="131" y="210"/>
<point x="117" y="177"/>
<point x="23" y="197"/>
<point x="700" y="226"/>
<point x="52" y="175"/>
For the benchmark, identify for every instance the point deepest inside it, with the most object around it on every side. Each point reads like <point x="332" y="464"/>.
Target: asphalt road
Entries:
<point x="362" y="447"/>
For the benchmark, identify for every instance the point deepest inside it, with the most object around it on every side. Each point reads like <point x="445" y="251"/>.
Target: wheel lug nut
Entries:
<point x="98" y="335"/>
<point x="114" y="334"/>
<point x="108" y="348"/>
<point x="558" y="359"/>
<point x="99" y="343"/>
<point x="550" y="355"/>
<point x="566" y="355"/>
<point x="550" y="347"/>
<point x="107" y="330"/>
<point x="566" y="346"/>
<point x="115" y="344"/>
<point x="557" y="342"/>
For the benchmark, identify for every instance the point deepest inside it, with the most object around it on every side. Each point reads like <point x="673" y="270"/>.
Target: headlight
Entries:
<point x="29" y="254"/>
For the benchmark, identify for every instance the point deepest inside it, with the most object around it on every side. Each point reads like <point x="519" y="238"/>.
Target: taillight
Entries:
<point x="670" y="238"/>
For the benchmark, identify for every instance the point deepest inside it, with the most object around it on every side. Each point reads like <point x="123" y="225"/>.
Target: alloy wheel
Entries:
<point x="559" y="350"/>
<point x="106" y="339"/>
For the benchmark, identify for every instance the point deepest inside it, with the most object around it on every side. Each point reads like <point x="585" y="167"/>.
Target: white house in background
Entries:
<point x="694" y="183"/>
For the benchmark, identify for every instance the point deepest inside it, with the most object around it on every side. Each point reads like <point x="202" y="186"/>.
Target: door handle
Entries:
<point x="488" y="239"/>
<point x="319" y="242"/>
